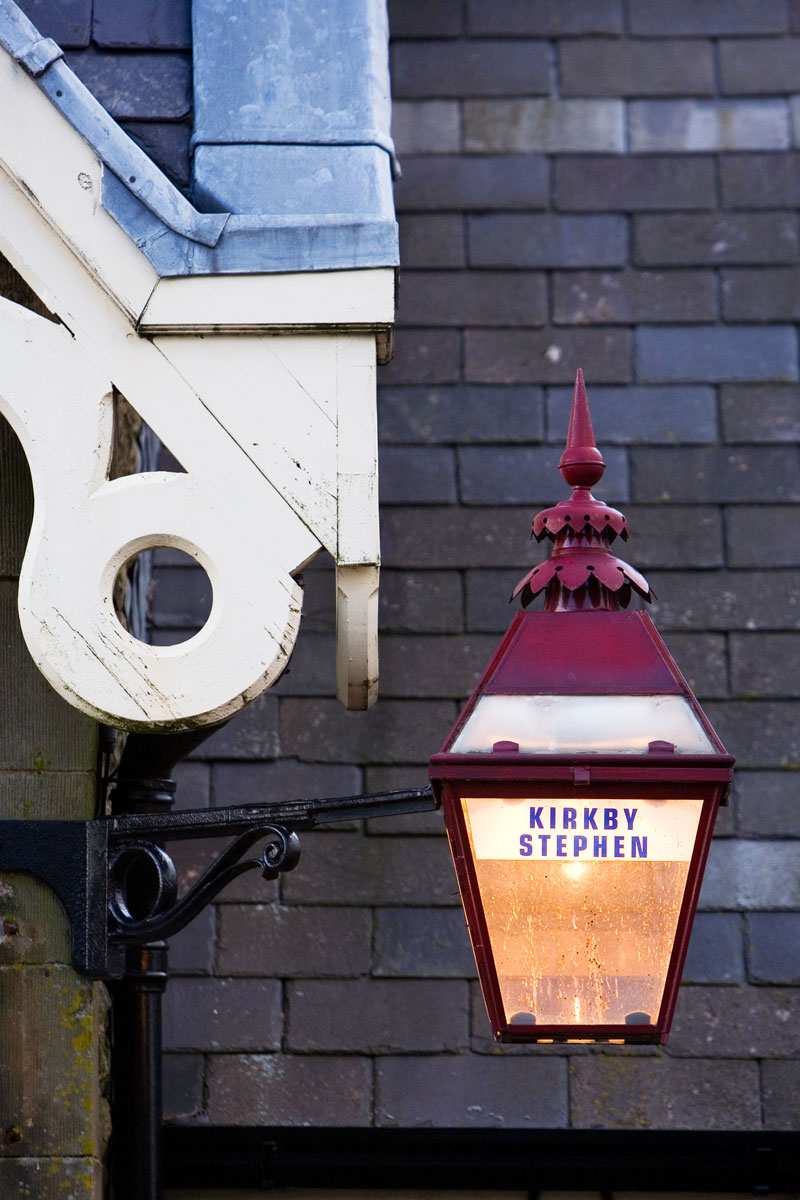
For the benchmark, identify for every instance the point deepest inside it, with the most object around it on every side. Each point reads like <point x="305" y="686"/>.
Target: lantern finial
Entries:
<point x="581" y="573"/>
<point x="581" y="464"/>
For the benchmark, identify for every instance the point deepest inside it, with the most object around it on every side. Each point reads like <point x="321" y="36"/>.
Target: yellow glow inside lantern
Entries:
<point x="581" y="902"/>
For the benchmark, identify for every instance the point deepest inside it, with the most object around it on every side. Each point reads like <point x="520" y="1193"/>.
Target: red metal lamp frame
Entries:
<point x="581" y="645"/>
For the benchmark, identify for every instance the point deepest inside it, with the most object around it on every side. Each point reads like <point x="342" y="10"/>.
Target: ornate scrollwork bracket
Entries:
<point x="118" y="883"/>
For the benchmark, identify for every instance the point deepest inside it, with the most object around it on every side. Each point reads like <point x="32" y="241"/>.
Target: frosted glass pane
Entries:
<point x="583" y="940"/>
<point x="599" y="724"/>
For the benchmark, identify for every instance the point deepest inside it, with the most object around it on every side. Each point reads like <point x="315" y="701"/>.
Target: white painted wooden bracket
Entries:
<point x="266" y="397"/>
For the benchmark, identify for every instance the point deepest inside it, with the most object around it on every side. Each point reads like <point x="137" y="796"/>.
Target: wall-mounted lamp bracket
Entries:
<point x="88" y="864"/>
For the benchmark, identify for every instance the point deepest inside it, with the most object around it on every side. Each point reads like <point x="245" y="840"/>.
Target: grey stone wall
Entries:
<point x="597" y="184"/>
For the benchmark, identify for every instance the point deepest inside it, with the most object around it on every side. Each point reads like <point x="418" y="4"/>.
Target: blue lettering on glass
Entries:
<point x="619" y="847"/>
<point x="589" y="815"/>
<point x="526" y="844"/>
<point x="599" y="847"/>
<point x="579" y="843"/>
<point x="609" y="818"/>
<point x="561" y="845"/>
<point x="552" y="818"/>
<point x="570" y="816"/>
<point x="536" y="818"/>
<point x="638" y="847"/>
<point x="544" y="838"/>
<point x="630" y="816"/>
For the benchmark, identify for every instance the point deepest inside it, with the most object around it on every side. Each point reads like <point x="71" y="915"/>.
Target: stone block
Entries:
<point x="725" y="600"/>
<point x="716" y="950"/>
<point x="394" y="731"/>
<point x="758" y="66"/>
<point x="53" y="1029"/>
<point x="773" y="948"/>
<point x="68" y="22"/>
<point x="547" y="240"/>
<point x="717" y="238"/>
<point x="182" y="1094"/>
<point x="517" y="474"/>
<point x="760" y="180"/>
<point x="378" y="1016"/>
<point x="418" y="19"/>
<point x="703" y="660"/>
<point x="432" y="182"/>
<point x="253" y="733"/>
<point x="180" y="598"/>
<point x="757" y="537"/>
<point x="712" y="18"/>
<point x="284" y="779"/>
<point x="277" y="1089"/>
<point x="497" y="537"/>
<point x="433" y="666"/>
<point x="631" y="415"/>
<point x="433" y="240"/>
<point x="764" y="664"/>
<point x="761" y="733"/>
<point x="424" y="356"/>
<point x="746" y="875"/>
<point x="53" y="1178"/>
<point x="343" y="868"/>
<point x="766" y="804"/>
<point x="135" y="87"/>
<point x="738" y="1023"/>
<point x="715" y="354"/>
<point x="630" y="297"/>
<point x="420" y="601"/>
<point x="280" y="941"/>
<point x="426" y="126"/>
<point x="661" y="541"/>
<point x="627" y="67"/>
<point x="460" y="414"/>
<point x="544" y="126"/>
<point x="223" y="1014"/>
<point x="167" y="145"/>
<point x="769" y="413"/>
<point x="194" y="785"/>
<point x="476" y="67"/>
<point x="765" y="294"/>
<point x="417" y="475"/>
<point x="529" y="356"/>
<point x="473" y="298"/>
<point x="312" y="667"/>
<point x="471" y="1091"/>
<point x="41" y="732"/>
<point x="547" y="18"/>
<point x="191" y="952"/>
<point x="716" y="126"/>
<point x="609" y="183"/>
<point x="713" y="473"/>
<point x="781" y="1092"/>
<point x="146" y="25"/>
<point x="611" y="1092"/>
<point x="422" y="943"/>
<point x="421" y="824"/>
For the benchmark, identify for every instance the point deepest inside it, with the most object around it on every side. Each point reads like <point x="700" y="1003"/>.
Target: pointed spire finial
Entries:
<point x="581" y="464"/>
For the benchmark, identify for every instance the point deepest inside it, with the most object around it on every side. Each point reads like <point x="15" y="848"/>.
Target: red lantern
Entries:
<point x="580" y="786"/>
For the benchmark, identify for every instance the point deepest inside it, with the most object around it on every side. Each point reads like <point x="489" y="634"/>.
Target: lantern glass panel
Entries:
<point x="581" y="902"/>
<point x="583" y="724"/>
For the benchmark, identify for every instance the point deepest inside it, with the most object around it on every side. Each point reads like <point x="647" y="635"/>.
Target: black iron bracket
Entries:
<point x="89" y="864"/>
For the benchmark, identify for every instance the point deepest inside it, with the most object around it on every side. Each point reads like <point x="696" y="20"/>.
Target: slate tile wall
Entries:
<point x="601" y="184"/>
<point x="136" y="59"/>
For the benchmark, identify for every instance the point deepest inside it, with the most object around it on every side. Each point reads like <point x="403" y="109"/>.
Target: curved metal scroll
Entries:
<point x="167" y="914"/>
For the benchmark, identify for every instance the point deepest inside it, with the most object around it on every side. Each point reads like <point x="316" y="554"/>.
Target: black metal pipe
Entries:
<point x="143" y="784"/>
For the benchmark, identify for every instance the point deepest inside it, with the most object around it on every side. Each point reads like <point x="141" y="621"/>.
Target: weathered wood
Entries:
<point x="51" y="1179"/>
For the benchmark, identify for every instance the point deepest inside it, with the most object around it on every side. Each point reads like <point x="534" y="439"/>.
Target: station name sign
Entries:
<point x="568" y="831"/>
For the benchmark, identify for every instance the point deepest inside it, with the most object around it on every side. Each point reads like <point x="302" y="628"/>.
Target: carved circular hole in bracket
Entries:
<point x="163" y="596"/>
